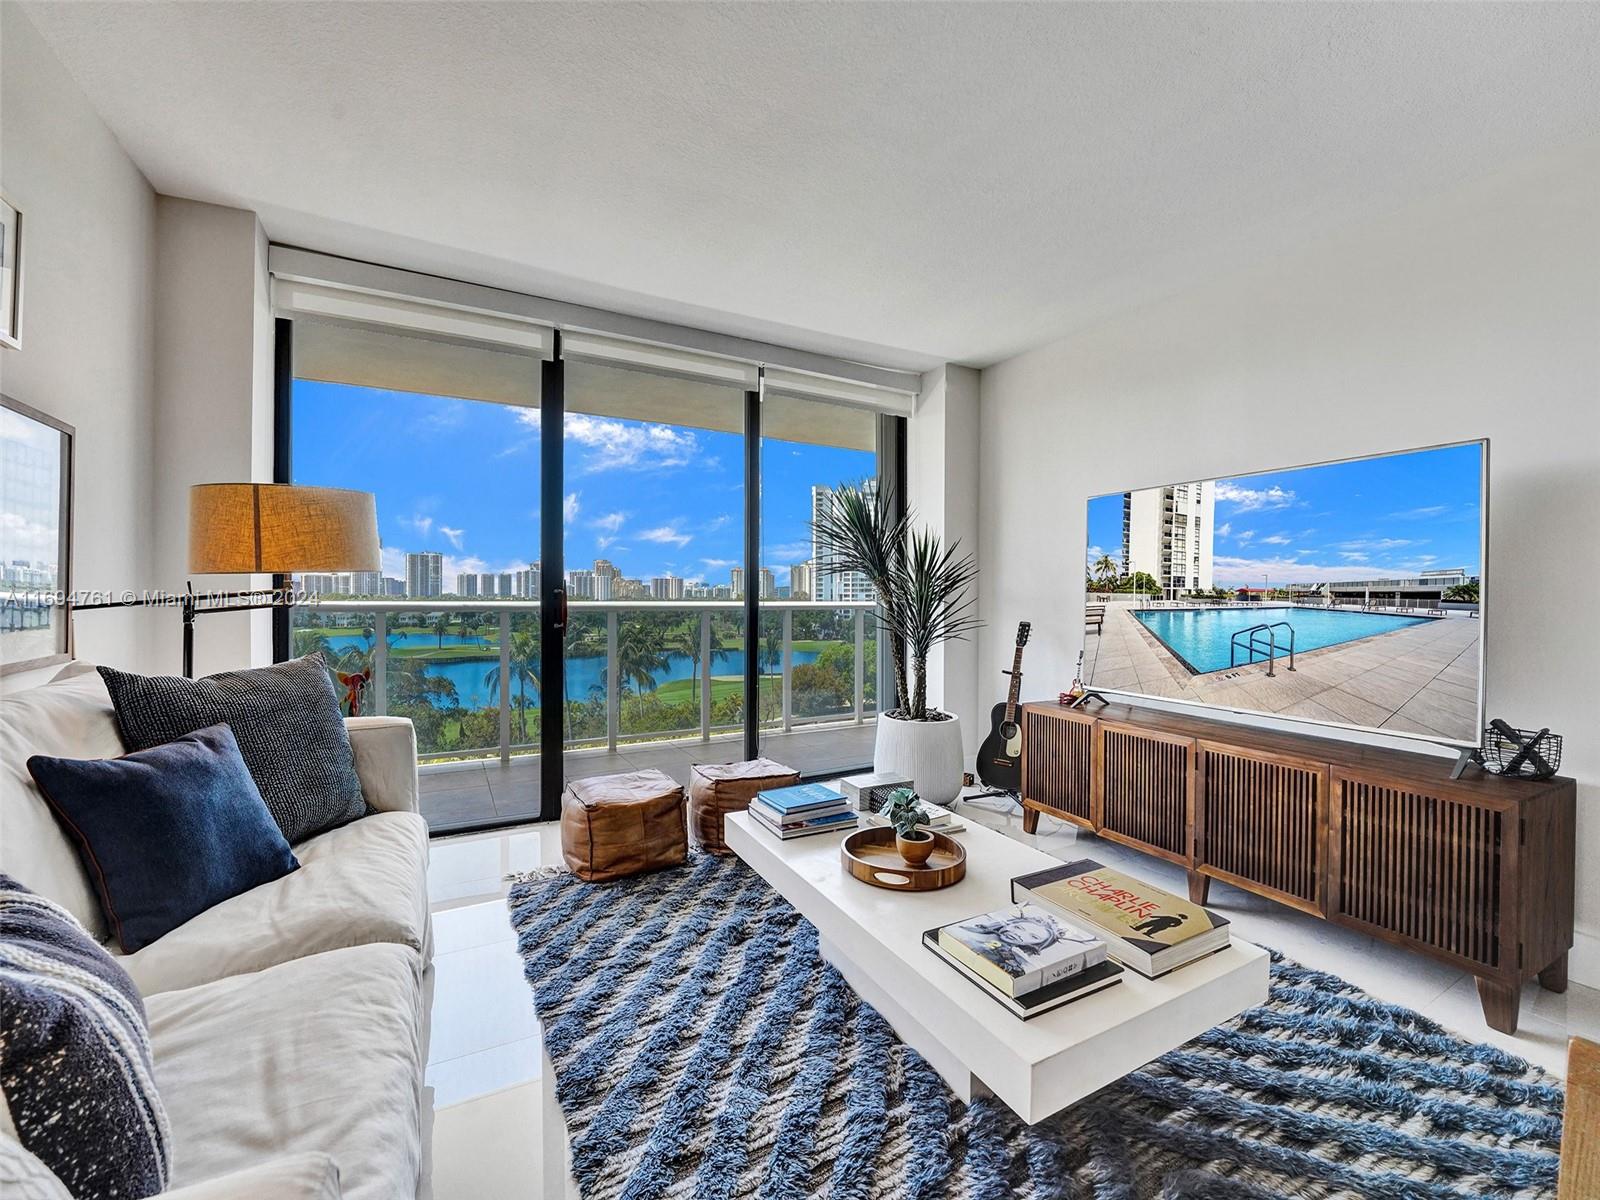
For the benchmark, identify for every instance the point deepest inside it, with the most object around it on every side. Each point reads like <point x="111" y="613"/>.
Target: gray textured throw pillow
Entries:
<point x="286" y="720"/>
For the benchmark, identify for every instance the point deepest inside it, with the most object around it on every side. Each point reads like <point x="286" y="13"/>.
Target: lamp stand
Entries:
<point x="191" y="605"/>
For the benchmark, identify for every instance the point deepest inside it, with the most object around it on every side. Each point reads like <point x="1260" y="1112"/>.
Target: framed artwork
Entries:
<point x="35" y="538"/>
<point x="10" y="274"/>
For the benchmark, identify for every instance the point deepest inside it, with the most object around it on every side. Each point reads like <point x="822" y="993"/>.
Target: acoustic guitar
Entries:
<point x="1000" y="756"/>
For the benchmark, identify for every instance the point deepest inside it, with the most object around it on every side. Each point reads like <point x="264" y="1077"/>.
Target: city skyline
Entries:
<point x="462" y="481"/>
<point x="1397" y="515"/>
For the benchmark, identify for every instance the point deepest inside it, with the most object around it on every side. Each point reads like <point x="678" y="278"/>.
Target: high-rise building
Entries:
<point x="769" y="584"/>
<point x="366" y="583"/>
<point x="828" y="583"/>
<point x="528" y="582"/>
<point x="1167" y="533"/>
<point x="466" y="583"/>
<point x="666" y="587"/>
<point x="317" y="585"/>
<point x="393" y="586"/>
<point x="580" y="584"/>
<point x="605" y="586"/>
<point x="736" y="582"/>
<point x="801" y="584"/>
<point x="425" y="574"/>
<point x="604" y="566"/>
<point x="504" y="582"/>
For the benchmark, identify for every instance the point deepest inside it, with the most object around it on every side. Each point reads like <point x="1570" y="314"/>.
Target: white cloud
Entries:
<point x="610" y="522"/>
<point x="604" y="540"/>
<point x="667" y="535"/>
<point x="1377" y="543"/>
<point x="453" y="534"/>
<point x="569" y="507"/>
<point x="419" y="522"/>
<point x="719" y="564"/>
<point x="1418" y="514"/>
<point x="1245" y="536"/>
<point x="1253" y="499"/>
<point x="630" y="446"/>
<point x="1225" y="529"/>
<point x="788" y="552"/>
<point x="1276" y="539"/>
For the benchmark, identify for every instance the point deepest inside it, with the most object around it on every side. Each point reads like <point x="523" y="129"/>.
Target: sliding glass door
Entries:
<point x="818" y="635"/>
<point x="643" y="590"/>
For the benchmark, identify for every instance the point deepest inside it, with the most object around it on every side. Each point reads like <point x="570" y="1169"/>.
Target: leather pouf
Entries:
<point x="717" y="789"/>
<point x="613" y="826"/>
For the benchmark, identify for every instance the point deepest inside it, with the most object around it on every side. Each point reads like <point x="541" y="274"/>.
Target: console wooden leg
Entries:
<point x="1554" y="977"/>
<point x="1030" y="820"/>
<point x="1199" y="887"/>
<point x="1500" y="1002"/>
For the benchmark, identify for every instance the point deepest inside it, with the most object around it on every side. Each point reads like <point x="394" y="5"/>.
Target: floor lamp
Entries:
<point x="267" y="529"/>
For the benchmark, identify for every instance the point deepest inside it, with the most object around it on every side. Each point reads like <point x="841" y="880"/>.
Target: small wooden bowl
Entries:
<point x="870" y="855"/>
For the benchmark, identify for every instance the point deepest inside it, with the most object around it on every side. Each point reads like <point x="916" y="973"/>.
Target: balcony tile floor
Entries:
<point x="467" y="795"/>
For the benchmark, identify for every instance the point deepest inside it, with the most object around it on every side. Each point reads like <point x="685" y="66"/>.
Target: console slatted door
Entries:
<point x="1058" y="764"/>
<point x="1146" y="789"/>
<point x="1416" y="867"/>
<point x="1259" y="823"/>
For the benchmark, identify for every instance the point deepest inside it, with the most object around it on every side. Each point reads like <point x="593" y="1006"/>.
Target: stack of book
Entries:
<point x="1147" y="929"/>
<point x="1026" y="959"/>
<point x="940" y="820"/>
<point x="801" y="810"/>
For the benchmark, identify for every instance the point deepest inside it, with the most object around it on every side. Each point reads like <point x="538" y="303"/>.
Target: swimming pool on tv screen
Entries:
<point x="1202" y="638"/>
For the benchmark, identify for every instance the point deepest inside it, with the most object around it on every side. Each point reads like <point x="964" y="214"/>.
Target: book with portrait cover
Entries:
<point x="1146" y="928"/>
<point x="1021" y="948"/>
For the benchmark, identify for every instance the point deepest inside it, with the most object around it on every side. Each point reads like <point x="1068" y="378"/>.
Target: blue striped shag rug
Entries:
<point x="703" y="1048"/>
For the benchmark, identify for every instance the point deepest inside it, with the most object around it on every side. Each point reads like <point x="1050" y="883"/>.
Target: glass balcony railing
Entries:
<point x="467" y="671"/>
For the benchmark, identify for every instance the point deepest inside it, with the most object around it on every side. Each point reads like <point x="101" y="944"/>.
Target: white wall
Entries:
<point x="87" y="336"/>
<point x="213" y="370"/>
<point x="942" y="489"/>
<point x="1477" y="314"/>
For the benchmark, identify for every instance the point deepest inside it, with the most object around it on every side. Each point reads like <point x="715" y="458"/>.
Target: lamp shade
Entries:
<point x="280" y="529"/>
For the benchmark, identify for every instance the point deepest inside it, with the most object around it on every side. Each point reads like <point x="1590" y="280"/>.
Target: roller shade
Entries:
<point x="418" y="318"/>
<point x="838" y="391"/>
<point x="333" y="352"/>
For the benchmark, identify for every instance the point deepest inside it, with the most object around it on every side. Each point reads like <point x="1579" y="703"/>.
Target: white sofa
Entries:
<point x="289" y="1024"/>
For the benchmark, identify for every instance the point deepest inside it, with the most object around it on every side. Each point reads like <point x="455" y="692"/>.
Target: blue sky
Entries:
<point x="462" y="478"/>
<point x="1370" y="518"/>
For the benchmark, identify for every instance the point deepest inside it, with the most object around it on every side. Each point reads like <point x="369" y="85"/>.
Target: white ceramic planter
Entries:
<point x="926" y="752"/>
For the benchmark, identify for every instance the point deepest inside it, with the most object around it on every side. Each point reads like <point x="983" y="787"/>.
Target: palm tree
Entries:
<point x="1105" y="570"/>
<point x="524" y="658"/>
<point x="639" y="656"/>
<point x="685" y="640"/>
<point x="441" y="625"/>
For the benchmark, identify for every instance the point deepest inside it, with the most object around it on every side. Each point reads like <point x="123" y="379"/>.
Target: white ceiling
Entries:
<point x="903" y="183"/>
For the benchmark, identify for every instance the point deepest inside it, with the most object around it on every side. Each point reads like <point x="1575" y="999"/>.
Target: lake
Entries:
<point x="584" y="674"/>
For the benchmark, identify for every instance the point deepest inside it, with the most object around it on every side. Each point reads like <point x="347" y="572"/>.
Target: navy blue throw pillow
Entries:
<point x="166" y="833"/>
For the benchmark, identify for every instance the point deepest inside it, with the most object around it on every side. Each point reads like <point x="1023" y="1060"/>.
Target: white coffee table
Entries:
<point x="873" y="936"/>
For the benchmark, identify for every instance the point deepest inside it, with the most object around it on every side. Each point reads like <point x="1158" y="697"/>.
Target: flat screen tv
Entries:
<point x="1345" y="593"/>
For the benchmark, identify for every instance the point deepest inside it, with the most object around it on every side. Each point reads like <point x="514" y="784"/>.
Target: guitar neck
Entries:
<point x="1016" y="687"/>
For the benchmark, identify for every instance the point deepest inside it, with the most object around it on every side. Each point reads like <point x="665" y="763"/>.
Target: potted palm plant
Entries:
<point x="924" y="591"/>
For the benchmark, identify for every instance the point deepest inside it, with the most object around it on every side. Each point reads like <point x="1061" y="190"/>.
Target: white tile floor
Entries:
<point x="484" y="1058"/>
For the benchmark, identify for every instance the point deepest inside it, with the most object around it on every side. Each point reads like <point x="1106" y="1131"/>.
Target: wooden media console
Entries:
<point x="1476" y="872"/>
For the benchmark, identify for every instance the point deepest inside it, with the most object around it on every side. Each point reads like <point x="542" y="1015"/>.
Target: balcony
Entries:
<point x="648" y="684"/>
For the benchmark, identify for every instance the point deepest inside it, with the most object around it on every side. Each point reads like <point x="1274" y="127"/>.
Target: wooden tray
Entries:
<point x="870" y="855"/>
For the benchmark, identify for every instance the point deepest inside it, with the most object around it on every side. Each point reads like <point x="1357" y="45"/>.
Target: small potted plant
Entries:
<point x="905" y="813"/>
